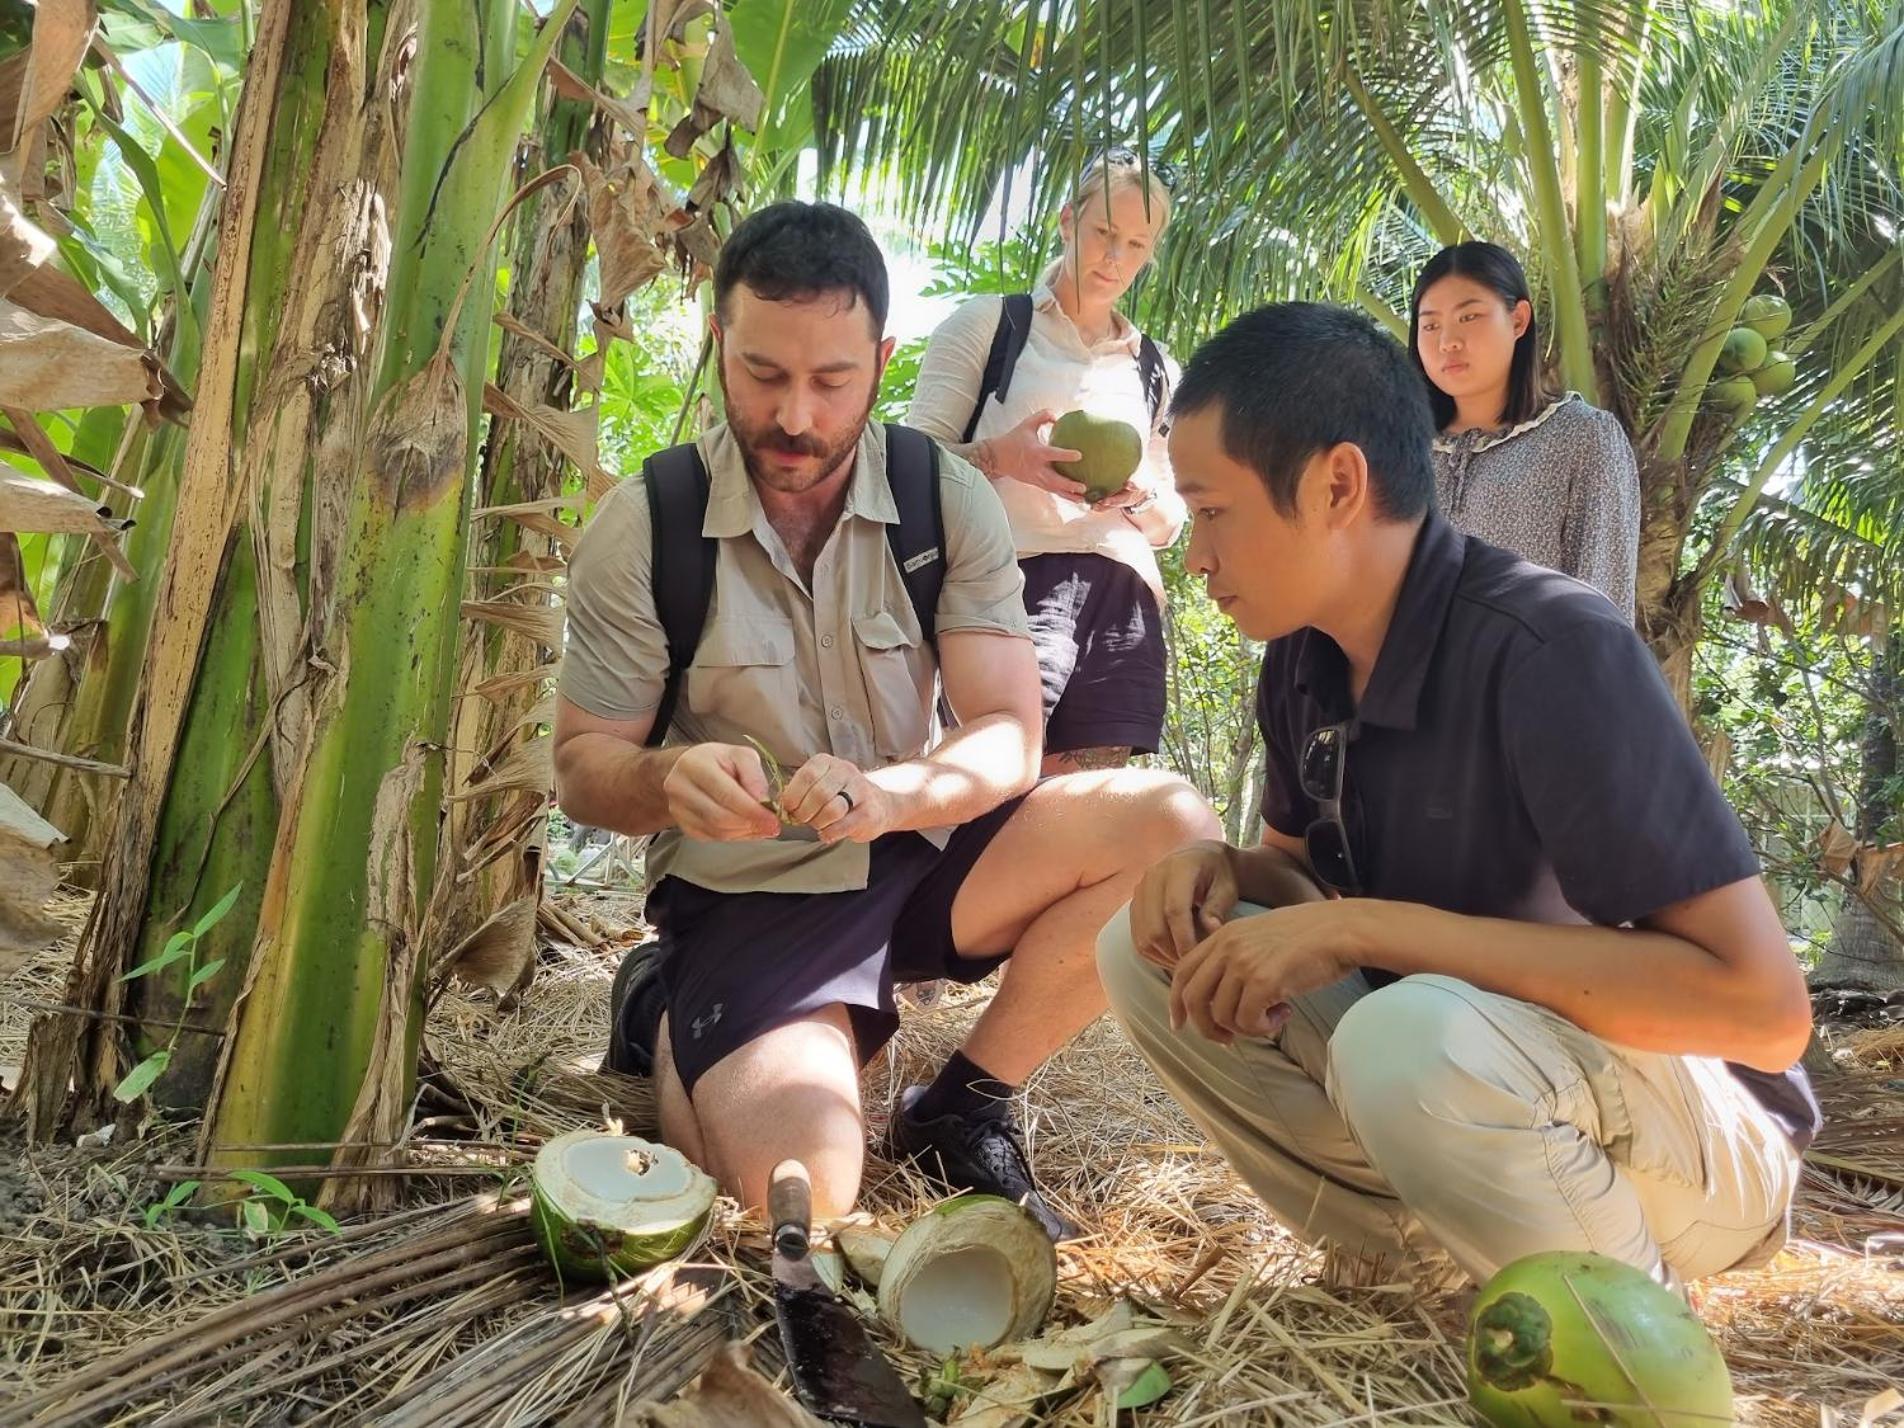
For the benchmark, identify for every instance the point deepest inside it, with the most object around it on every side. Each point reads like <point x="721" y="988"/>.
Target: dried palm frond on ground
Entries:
<point x="446" y="1313"/>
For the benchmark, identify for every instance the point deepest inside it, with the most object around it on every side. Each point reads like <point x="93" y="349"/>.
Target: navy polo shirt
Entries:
<point x="1516" y="754"/>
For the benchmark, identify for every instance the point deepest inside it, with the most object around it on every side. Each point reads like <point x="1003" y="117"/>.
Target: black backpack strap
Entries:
<point x="1008" y="341"/>
<point x="681" y="565"/>
<point x="1150" y="366"/>
<point x="918" y="539"/>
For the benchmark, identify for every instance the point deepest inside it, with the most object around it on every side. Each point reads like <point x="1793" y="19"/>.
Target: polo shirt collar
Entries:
<point x="1393" y="696"/>
<point x="733" y="508"/>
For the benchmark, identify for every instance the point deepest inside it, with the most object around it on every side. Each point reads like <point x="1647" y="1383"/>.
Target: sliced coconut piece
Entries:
<point x="865" y="1251"/>
<point x="615" y="1204"/>
<point x="975" y="1272"/>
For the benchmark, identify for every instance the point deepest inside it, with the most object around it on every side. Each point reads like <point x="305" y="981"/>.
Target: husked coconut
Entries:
<point x="974" y="1273"/>
<point x="607" y="1205"/>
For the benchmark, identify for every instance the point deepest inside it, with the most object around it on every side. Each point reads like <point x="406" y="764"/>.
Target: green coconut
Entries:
<point x="608" y="1205"/>
<point x="1744" y="349"/>
<point x="1733" y="394"/>
<point x="1767" y="314"/>
<point x="1565" y="1338"/>
<point x="1109" y="451"/>
<point x="977" y="1271"/>
<point x="1775" y="377"/>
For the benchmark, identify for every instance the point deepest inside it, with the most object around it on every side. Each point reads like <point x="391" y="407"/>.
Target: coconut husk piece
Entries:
<point x="728" y="1394"/>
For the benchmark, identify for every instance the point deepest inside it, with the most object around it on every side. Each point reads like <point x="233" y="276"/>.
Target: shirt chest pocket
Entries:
<point x="743" y="675"/>
<point x="899" y="683"/>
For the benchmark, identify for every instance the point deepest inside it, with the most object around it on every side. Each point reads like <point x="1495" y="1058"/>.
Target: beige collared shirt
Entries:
<point x="1058" y="371"/>
<point x="838" y="666"/>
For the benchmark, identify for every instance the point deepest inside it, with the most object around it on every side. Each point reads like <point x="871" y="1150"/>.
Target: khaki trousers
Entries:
<point x="1431" y="1126"/>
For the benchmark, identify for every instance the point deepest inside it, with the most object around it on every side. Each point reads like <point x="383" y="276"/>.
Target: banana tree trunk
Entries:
<point x="491" y="875"/>
<point x="323" y="1039"/>
<point x="295" y="692"/>
<point x="81" y="702"/>
<point x="301" y="350"/>
<point x="80" y="1053"/>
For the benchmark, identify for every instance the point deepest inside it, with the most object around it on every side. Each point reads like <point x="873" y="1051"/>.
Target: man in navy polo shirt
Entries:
<point x="1549" y="1004"/>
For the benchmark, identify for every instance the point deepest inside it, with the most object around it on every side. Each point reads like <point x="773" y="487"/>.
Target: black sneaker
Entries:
<point x="973" y="1152"/>
<point x="636" y="1002"/>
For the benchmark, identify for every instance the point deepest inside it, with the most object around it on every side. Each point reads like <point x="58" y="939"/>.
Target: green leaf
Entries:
<point x="140" y="1077"/>
<point x="132" y="25"/>
<point x="152" y="186"/>
<point x="315" y="1215"/>
<point x="174" y="1197"/>
<point x="782" y="42"/>
<point x="267" y="1184"/>
<point x="254" y="1217"/>
<point x="217" y="914"/>
<point x="177" y="947"/>
<point x="203" y="975"/>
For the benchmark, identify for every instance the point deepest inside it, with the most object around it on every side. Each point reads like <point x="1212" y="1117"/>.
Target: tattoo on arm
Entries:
<point x="1104" y="757"/>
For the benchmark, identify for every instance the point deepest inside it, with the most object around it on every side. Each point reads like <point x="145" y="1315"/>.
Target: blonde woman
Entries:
<point x="996" y="374"/>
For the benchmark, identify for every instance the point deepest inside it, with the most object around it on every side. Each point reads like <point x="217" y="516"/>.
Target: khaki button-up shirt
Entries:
<point x="839" y="666"/>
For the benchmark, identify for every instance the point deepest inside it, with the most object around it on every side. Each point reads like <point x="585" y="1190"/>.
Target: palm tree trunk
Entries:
<point x="1866" y="949"/>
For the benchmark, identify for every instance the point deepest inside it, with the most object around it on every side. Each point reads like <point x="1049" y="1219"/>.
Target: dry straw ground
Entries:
<point x="445" y="1314"/>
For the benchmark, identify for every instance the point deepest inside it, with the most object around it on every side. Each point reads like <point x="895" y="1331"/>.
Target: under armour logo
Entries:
<point x="921" y="560"/>
<point x="703" y="1023"/>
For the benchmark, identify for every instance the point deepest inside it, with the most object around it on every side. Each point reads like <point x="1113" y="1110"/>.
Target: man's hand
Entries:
<point x="718" y="792"/>
<point x="1181" y="901"/>
<point x="1241" y="979"/>
<point x="831" y="795"/>
<point x="1024" y="455"/>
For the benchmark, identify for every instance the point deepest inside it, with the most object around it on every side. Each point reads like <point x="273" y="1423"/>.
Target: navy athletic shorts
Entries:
<point x="735" y="966"/>
<point x="1100" y="642"/>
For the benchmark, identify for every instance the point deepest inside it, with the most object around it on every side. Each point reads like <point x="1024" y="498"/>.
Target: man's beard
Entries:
<point x="755" y="442"/>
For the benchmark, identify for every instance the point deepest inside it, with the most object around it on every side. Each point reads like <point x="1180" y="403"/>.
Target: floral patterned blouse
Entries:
<point x="1561" y="489"/>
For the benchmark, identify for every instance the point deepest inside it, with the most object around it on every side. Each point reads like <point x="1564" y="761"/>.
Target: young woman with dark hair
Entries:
<point x="1548" y="477"/>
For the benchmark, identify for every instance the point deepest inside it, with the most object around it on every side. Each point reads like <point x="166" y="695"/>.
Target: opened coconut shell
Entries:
<point x="610" y="1205"/>
<point x="974" y="1273"/>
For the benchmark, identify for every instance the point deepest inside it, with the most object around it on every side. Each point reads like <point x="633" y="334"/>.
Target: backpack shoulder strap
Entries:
<point x="1008" y="341"/>
<point x="1150" y="366"/>
<point x="918" y="540"/>
<point x="681" y="565"/>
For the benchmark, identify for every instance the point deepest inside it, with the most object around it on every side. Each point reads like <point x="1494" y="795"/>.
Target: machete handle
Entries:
<point x="790" y="1208"/>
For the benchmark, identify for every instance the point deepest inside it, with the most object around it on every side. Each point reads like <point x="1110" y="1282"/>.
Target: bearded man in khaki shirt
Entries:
<point x="901" y="858"/>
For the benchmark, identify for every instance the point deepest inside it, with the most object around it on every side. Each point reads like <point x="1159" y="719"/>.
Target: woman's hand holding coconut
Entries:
<point x="1024" y="454"/>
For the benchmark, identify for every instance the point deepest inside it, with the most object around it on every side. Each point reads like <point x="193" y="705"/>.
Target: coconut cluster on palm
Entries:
<point x="1754" y="368"/>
